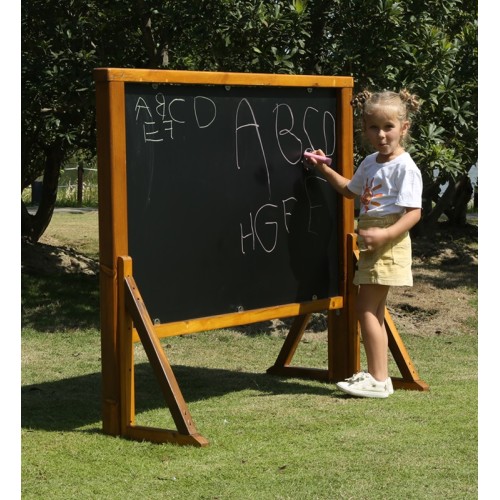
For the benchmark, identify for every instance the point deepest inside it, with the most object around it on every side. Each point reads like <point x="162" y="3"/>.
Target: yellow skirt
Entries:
<point x="388" y="265"/>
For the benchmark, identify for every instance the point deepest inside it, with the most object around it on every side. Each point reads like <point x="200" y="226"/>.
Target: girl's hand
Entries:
<point x="317" y="163"/>
<point x="373" y="238"/>
<point x="337" y="181"/>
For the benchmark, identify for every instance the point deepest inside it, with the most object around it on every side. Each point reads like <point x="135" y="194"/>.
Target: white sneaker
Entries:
<point x="362" y="384"/>
<point x="390" y="389"/>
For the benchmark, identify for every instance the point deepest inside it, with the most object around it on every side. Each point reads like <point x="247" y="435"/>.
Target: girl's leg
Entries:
<point x="370" y="307"/>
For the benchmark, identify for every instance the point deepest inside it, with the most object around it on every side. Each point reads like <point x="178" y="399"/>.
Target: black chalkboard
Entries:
<point x="222" y="216"/>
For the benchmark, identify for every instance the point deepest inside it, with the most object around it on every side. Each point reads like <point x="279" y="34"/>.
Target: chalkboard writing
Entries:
<point x="222" y="215"/>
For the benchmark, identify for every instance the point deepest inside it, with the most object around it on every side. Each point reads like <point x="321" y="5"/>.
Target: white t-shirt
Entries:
<point x="387" y="188"/>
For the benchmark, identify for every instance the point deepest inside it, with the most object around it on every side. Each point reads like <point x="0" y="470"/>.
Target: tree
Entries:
<point x="57" y="116"/>
<point x="429" y="47"/>
<point x="63" y="41"/>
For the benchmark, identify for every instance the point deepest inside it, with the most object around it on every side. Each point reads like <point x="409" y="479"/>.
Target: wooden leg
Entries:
<point x="410" y="378"/>
<point x="343" y="328"/>
<point x="186" y="431"/>
<point x="126" y="349"/>
<point x="282" y="366"/>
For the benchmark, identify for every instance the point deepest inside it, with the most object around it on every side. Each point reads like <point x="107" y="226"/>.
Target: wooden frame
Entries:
<point x="124" y="316"/>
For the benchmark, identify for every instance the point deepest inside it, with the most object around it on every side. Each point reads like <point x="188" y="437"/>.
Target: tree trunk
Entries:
<point x="33" y="226"/>
<point x="457" y="213"/>
<point x="442" y="204"/>
<point x="453" y="203"/>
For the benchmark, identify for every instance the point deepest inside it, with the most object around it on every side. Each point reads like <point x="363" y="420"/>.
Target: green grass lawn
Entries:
<point x="270" y="437"/>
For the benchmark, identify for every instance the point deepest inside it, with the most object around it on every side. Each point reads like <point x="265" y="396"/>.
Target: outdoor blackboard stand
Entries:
<point x="208" y="220"/>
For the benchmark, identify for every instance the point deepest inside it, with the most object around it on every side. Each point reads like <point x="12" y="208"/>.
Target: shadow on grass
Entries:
<point x="448" y="258"/>
<point x="66" y="405"/>
<point x="59" y="302"/>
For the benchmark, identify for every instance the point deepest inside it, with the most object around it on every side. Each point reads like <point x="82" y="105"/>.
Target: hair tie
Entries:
<point x="358" y="101"/>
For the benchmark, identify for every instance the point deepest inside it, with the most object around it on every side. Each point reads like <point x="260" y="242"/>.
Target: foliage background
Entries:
<point x="430" y="47"/>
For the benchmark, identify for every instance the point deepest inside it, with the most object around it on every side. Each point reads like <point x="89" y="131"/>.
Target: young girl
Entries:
<point x="390" y="188"/>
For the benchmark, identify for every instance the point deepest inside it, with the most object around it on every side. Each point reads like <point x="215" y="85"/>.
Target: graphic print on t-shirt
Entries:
<point x="368" y="195"/>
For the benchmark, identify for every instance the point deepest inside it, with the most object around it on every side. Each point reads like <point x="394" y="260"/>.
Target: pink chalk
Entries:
<point x="320" y="158"/>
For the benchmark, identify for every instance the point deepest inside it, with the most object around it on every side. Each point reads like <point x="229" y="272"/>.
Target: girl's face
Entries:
<point x="384" y="131"/>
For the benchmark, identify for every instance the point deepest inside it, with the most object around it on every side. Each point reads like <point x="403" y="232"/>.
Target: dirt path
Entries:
<point x="445" y="270"/>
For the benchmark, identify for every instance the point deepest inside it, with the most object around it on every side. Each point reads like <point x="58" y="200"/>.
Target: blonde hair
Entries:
<point x="404" y="102"/>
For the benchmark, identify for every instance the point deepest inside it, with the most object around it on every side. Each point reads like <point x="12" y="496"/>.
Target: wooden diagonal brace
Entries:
<point x="187" y="433"/>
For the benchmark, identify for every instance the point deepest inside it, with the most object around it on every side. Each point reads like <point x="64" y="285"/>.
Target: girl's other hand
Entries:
<point x="373" y="238"/>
